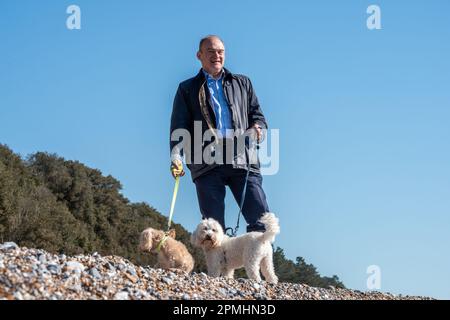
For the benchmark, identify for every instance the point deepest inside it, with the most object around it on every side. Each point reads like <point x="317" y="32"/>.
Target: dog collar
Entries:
<point x="160" y="244"/>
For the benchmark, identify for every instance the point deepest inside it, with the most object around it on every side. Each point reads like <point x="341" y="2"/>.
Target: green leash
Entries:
<point x="160" y="244"/>
<point x="174" y="198"/>
<point x="172" y="207"/>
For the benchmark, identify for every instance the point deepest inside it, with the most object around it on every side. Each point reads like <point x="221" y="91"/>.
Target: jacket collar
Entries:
<point x="227" y="74"/>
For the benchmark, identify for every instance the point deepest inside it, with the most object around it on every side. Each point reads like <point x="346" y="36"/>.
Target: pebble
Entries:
<point x="122" y="295"/>
<point x="110" y="267"/>
<point x="94" y="272"/>
<point x="132" y="271"/>
<point x="42" y="258"/>
<point x="76" y="288"/>
<point x="223" y="291"/>
<point x="232" y="291"/>
<point x="74" y="266"/>
<point x="259" y="296"/>
<point x="54" y="269"/>
<point x="18" y="296"/>
<point x="31" y="274"/>
<point x="8" y="246"/>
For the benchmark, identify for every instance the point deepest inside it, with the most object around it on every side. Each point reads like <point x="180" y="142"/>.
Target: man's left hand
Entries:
<point x="258" y="130"/>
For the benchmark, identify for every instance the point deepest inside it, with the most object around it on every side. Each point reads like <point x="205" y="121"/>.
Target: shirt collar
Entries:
<point x="210" y="77"/>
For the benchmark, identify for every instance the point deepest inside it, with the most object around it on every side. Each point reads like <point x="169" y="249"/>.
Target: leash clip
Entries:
<point x="230" y="232"/>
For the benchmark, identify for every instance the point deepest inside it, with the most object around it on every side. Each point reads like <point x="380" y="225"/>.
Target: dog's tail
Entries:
<point x="270" y="221"/>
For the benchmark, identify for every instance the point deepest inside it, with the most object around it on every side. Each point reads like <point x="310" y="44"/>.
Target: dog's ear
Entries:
<point x="194" y="239"/>
<point x="172" y="233"/>
<point x="145" y="240"/>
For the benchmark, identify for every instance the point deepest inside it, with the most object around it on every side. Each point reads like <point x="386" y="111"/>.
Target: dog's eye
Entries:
<point x="214" y="230"/>
<point x="205" y="228"/>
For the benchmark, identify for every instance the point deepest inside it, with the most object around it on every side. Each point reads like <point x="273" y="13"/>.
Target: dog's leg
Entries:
<point x="187" y="265"/>
<point x="163" y="262"/>
<point x="214" y="271"/>
<point x="267" y="269"/>
<point x="229" y="273"/>
<point x="213" y="265"/>
<point x="252" y="269"/>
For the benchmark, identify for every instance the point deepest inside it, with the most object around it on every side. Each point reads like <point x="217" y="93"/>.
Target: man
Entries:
<point x="223" y="103"/>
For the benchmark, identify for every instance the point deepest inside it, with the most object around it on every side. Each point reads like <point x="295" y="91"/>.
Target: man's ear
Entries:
<point x="172" y="233"/>
<point x="198" y="55"/>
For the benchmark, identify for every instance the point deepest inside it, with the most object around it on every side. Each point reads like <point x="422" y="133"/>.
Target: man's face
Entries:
<point x="212" y="56"/>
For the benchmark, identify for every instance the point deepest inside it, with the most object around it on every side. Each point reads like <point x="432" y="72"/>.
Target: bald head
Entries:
<point x="209" y="38"/>
<point x="211" y="54"/>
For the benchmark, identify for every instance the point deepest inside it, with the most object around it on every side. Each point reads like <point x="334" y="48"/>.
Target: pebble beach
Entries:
<point x="34" y="274"/>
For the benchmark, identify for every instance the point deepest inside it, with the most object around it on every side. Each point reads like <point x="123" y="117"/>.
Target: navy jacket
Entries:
<point x="192" y="104"/>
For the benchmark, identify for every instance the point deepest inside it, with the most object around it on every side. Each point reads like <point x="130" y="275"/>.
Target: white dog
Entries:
<point x="252" y="250"/>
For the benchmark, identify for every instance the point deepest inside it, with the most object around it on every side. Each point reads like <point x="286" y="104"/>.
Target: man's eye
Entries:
<point x="218" y="51"/>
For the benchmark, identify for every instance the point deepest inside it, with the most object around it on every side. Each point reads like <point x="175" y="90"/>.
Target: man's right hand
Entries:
<point x="177" y="169"/>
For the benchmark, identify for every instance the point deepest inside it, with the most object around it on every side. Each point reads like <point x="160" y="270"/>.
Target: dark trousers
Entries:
<point x="211" y="195"/>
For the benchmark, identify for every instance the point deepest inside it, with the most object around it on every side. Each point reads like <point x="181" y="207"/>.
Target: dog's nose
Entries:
<point x="207" y="237"/>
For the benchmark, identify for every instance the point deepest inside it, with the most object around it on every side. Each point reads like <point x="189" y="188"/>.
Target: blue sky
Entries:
<point x="363" y="115"/>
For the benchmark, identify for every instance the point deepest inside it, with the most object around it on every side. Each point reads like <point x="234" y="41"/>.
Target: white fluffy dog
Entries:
<point x="252" y="250"/>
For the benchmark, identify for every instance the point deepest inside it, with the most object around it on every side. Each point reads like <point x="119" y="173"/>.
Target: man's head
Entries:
<point x="211" y="53"/>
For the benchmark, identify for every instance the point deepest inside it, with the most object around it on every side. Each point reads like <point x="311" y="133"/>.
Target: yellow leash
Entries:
<point x="172" y="207"/>
<point x="163" y="240"/>
<point x="174" y="198"/>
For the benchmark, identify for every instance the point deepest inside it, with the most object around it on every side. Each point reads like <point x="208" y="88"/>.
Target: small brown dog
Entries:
<point x="171" y="253"/>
